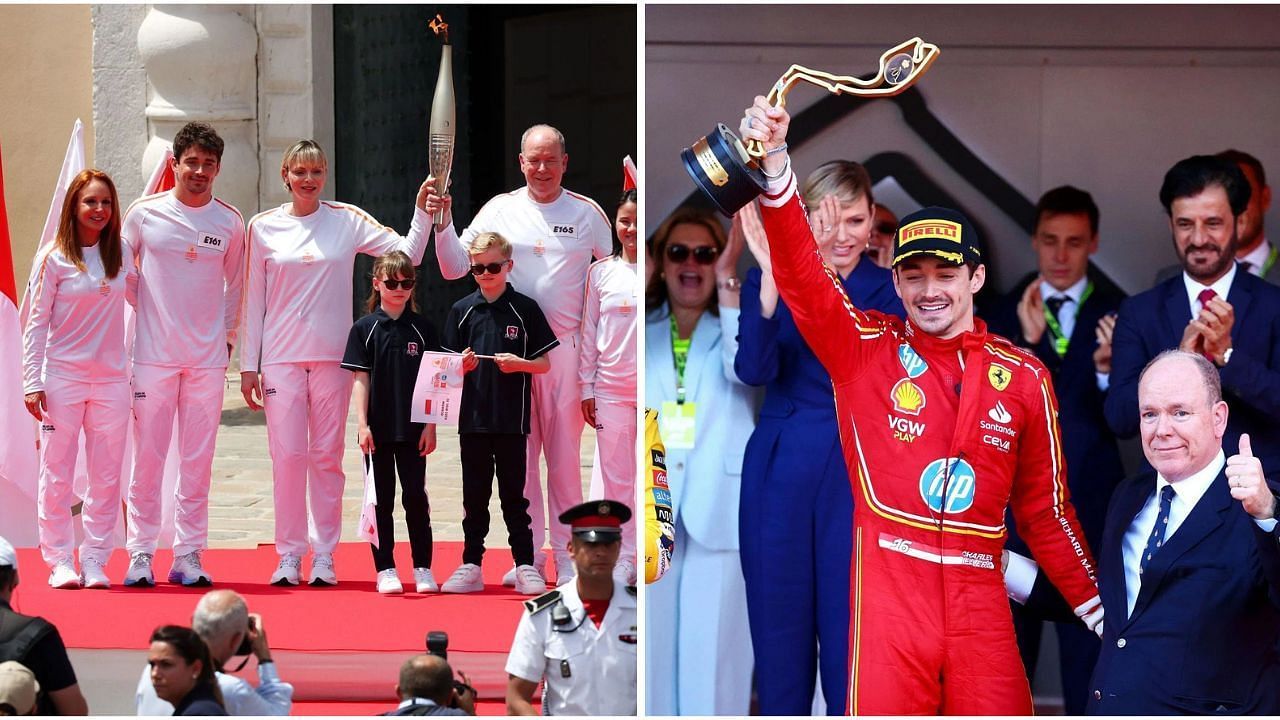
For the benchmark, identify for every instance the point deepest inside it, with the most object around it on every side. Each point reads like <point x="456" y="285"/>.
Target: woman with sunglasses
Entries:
<point x="607" y="374"/>
<point x="796" y="562"/>
<point x="697" y="611"/>
<point x="297" y="312"/>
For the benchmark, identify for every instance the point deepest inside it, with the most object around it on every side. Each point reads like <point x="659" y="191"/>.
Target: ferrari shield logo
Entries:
<point x="999" y="376"/>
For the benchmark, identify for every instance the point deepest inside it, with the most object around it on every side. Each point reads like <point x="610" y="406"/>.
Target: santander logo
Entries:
<point x="999" y="414"/>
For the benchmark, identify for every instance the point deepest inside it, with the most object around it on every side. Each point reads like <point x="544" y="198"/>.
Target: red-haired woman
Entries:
<point x="75" y="376"/>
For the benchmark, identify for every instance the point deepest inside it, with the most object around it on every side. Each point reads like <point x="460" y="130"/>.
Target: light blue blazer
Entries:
<point x="705" y="481"/>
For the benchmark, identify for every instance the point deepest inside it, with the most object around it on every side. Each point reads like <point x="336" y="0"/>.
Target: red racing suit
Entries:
<point x="939" y="437"/>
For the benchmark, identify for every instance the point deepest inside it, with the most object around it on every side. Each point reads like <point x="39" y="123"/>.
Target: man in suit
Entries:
<point x="1065" y="314"/>
<point x="1189" y="566"/>
<point x="1255" y="254"/>
<point x="1231" y="317"/>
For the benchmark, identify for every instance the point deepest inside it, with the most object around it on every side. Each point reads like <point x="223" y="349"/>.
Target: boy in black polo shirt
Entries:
<point x="504" y="337"/>
<point x="384" y="350"/>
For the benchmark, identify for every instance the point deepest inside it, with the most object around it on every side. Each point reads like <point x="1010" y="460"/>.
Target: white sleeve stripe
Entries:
<point x="353" y="366"/>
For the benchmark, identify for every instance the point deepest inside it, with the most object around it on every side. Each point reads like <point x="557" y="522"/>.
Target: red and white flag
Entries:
<point x="368" y="527"/>
<point x="72" y="165"/>
<point x="18" y="457"/>
<point x="630" y="177"/>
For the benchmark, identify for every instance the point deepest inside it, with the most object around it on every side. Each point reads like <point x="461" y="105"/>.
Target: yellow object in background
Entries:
<point x="659" y="516"/>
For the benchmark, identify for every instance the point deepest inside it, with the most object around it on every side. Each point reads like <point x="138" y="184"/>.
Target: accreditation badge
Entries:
<point x="677" y="423"/>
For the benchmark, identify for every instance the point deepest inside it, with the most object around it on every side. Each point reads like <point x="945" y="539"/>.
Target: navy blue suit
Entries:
<point x="1154" y="321"/>
<point x="1093" y="460"/>
<point x="1202" y="637"/>
<point x="796" y="506"/>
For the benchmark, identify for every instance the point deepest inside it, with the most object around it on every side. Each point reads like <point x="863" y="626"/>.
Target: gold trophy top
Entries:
<point x="900" y="66"/>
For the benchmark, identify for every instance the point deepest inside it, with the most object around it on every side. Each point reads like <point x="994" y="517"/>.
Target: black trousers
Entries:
<point x="403" y="457"/>
<point x="482" y="454"/>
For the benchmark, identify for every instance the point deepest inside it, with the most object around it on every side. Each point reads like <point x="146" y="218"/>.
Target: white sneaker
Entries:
<point x="322" y="570"/>
<point x="565" y="570"/>
<point x="287" y="571"/>
<point x="425" y="581"/>
<point x="139" y="571"/>
<point x="187" y="570"/>
<point x="528" y="581"/>
<point x="539" y="564"/>
<point x="64" y="577"/>
<point x="92" y="574"/>
<point x="389" y="582"/>
<point x="466" y="579"/>
<point x="625" y="572"/>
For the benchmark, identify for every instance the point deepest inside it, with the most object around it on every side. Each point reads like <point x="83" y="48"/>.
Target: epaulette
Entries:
<point x="542" y="602"/>
<point x="631" y="590"/>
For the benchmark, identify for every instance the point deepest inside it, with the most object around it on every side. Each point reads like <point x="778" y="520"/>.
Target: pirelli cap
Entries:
<point x="597" y="520"/>
<point x="937" y="231"/>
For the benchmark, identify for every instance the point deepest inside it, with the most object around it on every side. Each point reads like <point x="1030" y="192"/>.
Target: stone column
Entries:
<point x="200" y="62"/>
<point x="295" y="88"/>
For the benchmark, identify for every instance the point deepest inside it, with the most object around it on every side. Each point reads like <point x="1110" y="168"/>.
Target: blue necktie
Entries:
<point x="1157" y="533"/>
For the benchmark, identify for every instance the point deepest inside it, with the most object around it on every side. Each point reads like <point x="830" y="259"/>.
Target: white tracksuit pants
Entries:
<point x="195" y="394"/>
<point x="556" y="431"/>
<point x="102" y="411"/>
<point x="306" y="406"/>
<point x="613" y="471"/>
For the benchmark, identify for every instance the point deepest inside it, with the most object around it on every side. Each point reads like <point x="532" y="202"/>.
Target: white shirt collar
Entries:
<point x="1191" y="489"/>
<point x="1257" y="257"/>
<point x="1222" y="287"/>
<point x="1074" y="292"/>
<point x="416" y="701"/>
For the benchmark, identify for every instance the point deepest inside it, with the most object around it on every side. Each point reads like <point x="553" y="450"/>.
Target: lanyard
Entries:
<point x="680" y="354"/>
<point x="1060" y="341"/>
<point x="1270" y="261"/>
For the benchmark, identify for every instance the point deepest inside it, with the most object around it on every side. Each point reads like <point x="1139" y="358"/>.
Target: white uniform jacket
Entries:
<point x="600" y="662"/>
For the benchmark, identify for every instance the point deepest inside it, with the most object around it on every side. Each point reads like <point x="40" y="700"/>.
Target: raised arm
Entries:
<point x="837" y="332"/>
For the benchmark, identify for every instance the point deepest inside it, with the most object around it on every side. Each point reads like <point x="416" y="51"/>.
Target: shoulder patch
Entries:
<point x="542" y="602"/>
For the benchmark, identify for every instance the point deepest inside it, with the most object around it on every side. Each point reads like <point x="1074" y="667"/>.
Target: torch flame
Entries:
<point x="440" y="28"/>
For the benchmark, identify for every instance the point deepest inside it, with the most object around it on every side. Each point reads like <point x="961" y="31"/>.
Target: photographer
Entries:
<point x="427" y="687"/>
<point x="223" y="621"/>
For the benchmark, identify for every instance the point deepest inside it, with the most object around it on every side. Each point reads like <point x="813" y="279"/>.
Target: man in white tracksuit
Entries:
<point x="190" y="250"/>
<point x="554" y="233"/>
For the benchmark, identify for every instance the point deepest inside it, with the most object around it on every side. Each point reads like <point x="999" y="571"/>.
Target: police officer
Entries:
<point x="581" y="637"/>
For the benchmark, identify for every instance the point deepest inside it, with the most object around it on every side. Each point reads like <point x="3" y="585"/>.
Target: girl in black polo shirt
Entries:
<point x="384" y="350"/>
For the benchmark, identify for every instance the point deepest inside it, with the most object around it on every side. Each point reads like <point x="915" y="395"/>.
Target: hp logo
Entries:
<point x="958" y="479"/>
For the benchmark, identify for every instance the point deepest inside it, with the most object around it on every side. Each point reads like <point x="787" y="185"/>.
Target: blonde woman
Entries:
<point x="299" y="265"/>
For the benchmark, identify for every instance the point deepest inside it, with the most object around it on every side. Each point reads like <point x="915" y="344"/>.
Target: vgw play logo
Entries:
<point x="949" y="481"/>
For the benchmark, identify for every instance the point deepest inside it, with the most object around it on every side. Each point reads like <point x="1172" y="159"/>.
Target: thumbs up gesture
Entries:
<point x="1244" y="475"/>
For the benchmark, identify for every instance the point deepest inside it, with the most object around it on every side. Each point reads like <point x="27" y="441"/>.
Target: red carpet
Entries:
<point x="341" y="647"/>
<point x="346" y="618"/>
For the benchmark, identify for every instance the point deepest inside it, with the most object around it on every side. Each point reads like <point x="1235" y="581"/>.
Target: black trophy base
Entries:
<point x="721" y="168"/>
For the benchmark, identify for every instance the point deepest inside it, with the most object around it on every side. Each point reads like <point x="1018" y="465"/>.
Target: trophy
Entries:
<point x="442" y="131"/>
<point x="731" y="174"/>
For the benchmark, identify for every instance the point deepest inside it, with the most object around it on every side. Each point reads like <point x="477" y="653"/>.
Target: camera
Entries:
<point x="438" y="645"/>
<point x="246" y="645"/>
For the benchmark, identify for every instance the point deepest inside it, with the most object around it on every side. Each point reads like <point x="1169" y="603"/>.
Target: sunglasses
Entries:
<point x="702" y="255"/>
<point x="390" y="284"/>
<point x="491" y="268"/>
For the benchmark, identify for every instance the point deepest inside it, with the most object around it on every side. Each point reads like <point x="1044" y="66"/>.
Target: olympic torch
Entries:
<point x="443" y="129"/>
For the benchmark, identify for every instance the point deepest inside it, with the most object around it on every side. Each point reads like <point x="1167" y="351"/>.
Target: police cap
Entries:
<point x="597" y="520"/>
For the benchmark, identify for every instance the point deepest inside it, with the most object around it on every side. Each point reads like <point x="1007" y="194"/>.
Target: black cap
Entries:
<point x="940" y="232"/>
<point x="597" y="520"/>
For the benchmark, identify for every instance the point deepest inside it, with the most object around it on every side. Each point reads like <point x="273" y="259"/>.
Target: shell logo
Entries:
<point x="907" y="397"/>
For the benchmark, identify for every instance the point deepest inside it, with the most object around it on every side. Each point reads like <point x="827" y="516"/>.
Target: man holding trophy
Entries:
<point x="972" y="428"/>
<point x="554" y="234"/>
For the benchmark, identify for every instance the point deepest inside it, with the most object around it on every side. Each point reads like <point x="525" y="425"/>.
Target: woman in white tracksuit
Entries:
<point x="298" y="289"/>
<point x="75" y="376"/>
<point x="607" y="375"/>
